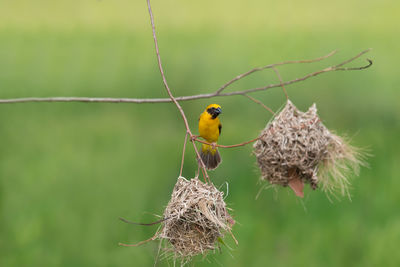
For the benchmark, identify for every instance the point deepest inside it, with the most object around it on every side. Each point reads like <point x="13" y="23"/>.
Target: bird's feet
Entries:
<point x="194" y="137"/>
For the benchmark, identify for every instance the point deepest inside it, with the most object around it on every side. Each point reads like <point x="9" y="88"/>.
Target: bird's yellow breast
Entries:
<point x="209" y="127"/>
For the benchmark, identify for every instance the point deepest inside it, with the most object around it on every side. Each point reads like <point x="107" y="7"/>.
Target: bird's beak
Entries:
<point x="218" y="110"/>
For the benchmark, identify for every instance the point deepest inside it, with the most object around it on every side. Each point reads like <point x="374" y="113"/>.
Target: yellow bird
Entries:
<point x="210" y="130"/>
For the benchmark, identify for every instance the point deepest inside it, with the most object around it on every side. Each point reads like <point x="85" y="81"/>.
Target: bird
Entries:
<point x="210" y="130"/>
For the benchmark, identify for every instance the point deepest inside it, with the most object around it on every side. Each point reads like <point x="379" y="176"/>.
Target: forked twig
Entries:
<point x="272" y="66"/>
<point x="313" y="74"/>
<point x="200" y="96"/>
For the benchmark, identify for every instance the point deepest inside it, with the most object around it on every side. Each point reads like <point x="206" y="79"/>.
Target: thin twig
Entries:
<point x="328" y="69"/>
<point x="230" y="146"/>
<point x="260" y="103"/>
<point x="170" y="93"/>
<point x="199" y="96"/>
<point x="354" y="58"/>
<point x="144" y="224"/>
<point x="271" y="66"/>
<point x="183" y="154"/>
<point x="281" y="82"/>
<point x="141" y="242"/>
<point x="358" y="68"/>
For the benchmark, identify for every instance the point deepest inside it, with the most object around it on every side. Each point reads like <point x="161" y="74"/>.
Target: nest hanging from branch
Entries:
<point x="296" y="148"/>
<point x="196" y="218"/>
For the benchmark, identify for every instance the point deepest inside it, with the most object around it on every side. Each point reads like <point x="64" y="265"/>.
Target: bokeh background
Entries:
<point x="69" y="170"/>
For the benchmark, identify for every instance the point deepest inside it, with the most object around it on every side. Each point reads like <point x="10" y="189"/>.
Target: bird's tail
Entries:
<point x="210" y="156"/>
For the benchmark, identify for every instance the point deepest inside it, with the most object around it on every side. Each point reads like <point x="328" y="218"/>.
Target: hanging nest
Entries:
<point x="196" y="219"/>
<point x="295" y="147"/>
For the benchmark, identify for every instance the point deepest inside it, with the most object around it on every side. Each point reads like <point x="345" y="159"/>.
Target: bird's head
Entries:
<point x="214" y="110"/>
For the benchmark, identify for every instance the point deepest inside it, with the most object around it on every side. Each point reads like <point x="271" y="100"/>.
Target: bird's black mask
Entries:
<point x="214" y="112"/>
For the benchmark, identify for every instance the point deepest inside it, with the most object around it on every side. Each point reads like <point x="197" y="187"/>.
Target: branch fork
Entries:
<point x="217" y="93"/>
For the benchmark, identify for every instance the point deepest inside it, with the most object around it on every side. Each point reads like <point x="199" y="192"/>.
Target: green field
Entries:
<point x="69" y="170"/>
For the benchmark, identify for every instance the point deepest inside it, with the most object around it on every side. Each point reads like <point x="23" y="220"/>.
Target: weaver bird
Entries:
<point x="210" y="130"/>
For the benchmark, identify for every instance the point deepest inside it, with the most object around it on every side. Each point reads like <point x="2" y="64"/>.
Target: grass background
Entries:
<point x="69" y="170"/>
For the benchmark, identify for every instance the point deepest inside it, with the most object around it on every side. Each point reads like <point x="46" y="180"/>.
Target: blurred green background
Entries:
<point x="69" y="170"/>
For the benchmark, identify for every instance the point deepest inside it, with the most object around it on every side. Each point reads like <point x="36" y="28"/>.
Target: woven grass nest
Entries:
<point x="296" y="145"/>
<point x="196" y="219"/>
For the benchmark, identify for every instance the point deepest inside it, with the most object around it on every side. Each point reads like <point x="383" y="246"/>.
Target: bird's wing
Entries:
<point x="219" y="128"/>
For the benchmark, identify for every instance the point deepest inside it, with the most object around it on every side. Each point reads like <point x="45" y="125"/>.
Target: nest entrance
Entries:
<point x="197" y="218"/>
<point x="297" y="144"/>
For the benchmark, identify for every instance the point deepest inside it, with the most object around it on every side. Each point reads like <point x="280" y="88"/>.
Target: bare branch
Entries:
<point x="161" y="68"/>
<point x="328" y="69"/>
<point x="199" y="96"/>
<point x="271" y="66"/>
<point x="230" y="146"/>
<point x="358" y="68"/>
<point x="354" y="58"/>
<point x="170" y="93"/>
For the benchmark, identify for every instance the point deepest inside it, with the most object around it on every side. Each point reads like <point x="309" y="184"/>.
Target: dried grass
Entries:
<point x="296" y="142"/>
<point x="197" y="218"/>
